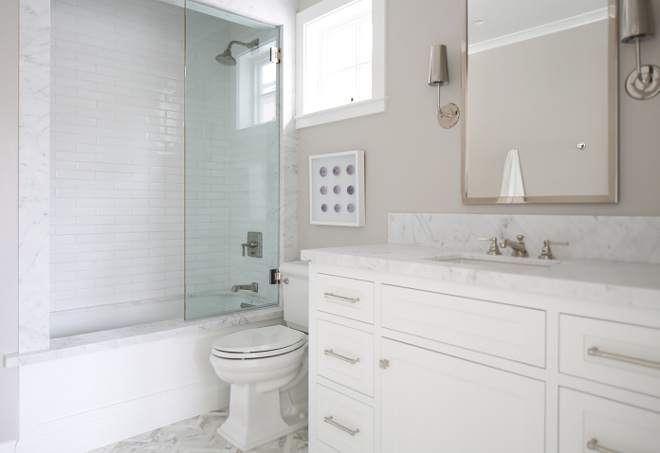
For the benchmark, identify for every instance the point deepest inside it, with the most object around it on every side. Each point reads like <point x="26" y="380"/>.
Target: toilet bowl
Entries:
<point x="267" y="370"/>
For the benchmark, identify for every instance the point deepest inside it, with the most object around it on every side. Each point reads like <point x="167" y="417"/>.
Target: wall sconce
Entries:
<point x="637" y="18"/>
<point x="448" y="114"/>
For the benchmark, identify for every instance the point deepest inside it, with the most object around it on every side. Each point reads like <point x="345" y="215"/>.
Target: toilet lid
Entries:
<point x="261" y="342"/>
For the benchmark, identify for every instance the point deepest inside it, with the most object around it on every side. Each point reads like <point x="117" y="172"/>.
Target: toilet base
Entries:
<point x="292" y="424"/>
<point x="256" y="418"/>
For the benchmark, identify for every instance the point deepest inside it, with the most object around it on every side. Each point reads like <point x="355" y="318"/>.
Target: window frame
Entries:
<point x="377" y="102"/>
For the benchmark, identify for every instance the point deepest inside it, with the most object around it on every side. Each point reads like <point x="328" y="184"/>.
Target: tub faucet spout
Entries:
<point x="254" y="287"/>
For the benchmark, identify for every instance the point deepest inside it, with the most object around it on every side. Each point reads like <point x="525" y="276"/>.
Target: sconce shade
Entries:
<point x="637" y="21"/>
<point x="438" y="74"/>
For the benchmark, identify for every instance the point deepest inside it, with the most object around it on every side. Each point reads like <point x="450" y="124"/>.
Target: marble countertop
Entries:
<point x="630" y="284"/>
<point x="128" y="336"/>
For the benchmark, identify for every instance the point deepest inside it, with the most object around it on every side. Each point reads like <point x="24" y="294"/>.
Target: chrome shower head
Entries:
<point x="226" y="57"/>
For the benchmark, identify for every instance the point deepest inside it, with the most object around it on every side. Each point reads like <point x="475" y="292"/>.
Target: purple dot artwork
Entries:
<point x="337" y="208"/>
<point x="323" y="171"/>
<point x="336" y="171"/>
<point x="350" y="169"/>
<point x="336" y="190"/>
<point x="350" y="207"/>
<point x="324" y="190"/>
<point x="350" y="190"/>
<point x="324" y="207"/>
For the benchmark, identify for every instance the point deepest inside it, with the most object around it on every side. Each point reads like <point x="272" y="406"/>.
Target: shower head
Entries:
<point x="227" y="59"/>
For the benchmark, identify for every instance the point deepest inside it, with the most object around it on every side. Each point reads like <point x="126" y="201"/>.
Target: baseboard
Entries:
<point x="8" y="447"/>
<point x="155" y="412"/>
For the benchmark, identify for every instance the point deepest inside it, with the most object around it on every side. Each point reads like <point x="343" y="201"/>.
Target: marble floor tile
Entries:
<point x="198" y="435"/>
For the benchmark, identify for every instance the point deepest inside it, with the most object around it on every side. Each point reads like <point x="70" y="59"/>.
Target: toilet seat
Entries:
<point x="259" y="343"/>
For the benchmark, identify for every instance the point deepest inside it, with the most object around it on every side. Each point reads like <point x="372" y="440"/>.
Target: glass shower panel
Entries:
<point x="231" y="161"/>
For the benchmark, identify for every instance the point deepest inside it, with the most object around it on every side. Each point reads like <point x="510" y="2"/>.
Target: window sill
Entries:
<point x="343" y="112"/>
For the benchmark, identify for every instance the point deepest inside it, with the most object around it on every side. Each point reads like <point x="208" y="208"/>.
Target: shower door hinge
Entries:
<point x="275" y="55"/>
<point x="275" y="276"/>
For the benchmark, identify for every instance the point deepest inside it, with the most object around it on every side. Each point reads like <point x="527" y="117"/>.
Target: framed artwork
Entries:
<point x="336" y="185"/>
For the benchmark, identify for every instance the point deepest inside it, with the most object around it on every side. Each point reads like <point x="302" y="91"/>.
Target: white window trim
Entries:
<point x="367" y="107"/>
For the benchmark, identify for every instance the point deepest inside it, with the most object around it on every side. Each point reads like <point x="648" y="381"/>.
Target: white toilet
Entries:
<point x="267" y="370"/>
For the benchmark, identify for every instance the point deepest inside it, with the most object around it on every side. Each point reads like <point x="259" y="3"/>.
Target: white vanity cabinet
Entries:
<point x="401" y="364"/>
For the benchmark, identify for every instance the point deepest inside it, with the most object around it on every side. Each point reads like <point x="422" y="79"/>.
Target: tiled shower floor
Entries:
<point x="198" y="435"/>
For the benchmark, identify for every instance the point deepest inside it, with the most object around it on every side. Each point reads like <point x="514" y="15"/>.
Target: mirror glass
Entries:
<point x="540" y="101"/>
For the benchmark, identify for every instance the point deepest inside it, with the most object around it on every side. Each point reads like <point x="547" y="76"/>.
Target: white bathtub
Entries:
<point x="107" y="317"/>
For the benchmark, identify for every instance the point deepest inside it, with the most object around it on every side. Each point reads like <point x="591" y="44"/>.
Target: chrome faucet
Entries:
<point x="254" y="287"/>
<point x="518" y="246"/>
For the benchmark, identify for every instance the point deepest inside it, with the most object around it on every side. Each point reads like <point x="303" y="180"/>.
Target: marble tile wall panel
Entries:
<point x="33" y="208"/>
<point x="627" y="239"/>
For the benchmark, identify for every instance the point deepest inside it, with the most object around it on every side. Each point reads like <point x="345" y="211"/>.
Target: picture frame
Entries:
<point x="336" y="189"/>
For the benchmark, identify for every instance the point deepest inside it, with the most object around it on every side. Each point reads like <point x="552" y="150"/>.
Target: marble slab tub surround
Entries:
<point x="128" y="336"/>
<point x="621" y="239"/>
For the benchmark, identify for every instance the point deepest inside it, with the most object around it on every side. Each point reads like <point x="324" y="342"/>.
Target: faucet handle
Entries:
<point x="494" y="250"/>
<point x="546" y="253"/>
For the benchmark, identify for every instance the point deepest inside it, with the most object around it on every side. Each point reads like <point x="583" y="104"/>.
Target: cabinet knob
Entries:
<point x="384" y="364"/>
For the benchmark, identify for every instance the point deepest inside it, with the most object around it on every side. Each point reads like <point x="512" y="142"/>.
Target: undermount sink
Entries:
<point x="491" y="261"/>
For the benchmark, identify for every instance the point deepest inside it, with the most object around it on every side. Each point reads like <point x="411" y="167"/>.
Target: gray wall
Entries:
<point x="413" y="165"/>
<point x="9" y="209"/>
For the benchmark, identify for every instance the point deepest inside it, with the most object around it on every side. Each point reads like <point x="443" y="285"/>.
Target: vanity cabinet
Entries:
<point x="406" y="364"/>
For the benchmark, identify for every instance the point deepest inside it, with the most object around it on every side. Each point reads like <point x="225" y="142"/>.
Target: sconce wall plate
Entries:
<point x="448" y="115"/>
<point x="646" y="84"/>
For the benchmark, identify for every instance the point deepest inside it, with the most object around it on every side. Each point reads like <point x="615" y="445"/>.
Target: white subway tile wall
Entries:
<point x="117" y="152"/>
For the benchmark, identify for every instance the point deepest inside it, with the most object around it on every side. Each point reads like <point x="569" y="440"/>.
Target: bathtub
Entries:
<point x="108" y="317"/>
<point x="93" y="389"/>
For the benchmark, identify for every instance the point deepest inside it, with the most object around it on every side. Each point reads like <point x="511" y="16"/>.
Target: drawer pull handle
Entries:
<point x="331" y="422"/>
<point x="593" y="445"/>
<point x="344" y="298"/>
<point x="594" y="351"/>
<point x="332" y="353"/>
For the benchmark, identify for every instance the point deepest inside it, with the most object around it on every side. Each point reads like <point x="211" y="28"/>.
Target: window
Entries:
<point x="340" y="61"/>
<point x="257" y="87"/>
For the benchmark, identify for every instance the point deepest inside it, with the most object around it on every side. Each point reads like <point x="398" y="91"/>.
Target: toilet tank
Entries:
<point x="295" y="294"/>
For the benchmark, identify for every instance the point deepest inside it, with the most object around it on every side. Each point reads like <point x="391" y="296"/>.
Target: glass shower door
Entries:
<point x="231" y="162"/>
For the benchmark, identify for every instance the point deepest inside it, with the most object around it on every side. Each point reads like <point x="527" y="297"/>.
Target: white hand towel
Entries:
<point x="512" y="182"/>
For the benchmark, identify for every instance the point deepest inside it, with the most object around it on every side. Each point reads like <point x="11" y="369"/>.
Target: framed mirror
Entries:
<point x="540" y="101"/>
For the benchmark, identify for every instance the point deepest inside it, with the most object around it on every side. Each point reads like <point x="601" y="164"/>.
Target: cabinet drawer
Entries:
<point x="502" y="330"/>
<point x="346" y="297"/>
<point x="346" y="356"/>
<point x="344" y="423"/>
<point x="626" y="356"/>
<point x="585" y="419"/>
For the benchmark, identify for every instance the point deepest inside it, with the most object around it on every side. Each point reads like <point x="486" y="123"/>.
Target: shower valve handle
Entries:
<point x="252" y="245"/>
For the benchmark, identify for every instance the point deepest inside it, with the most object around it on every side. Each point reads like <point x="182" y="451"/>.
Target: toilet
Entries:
<point x="267" y="370"/>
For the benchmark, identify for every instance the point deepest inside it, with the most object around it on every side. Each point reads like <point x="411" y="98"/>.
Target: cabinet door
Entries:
<point x="433" y="402"/>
